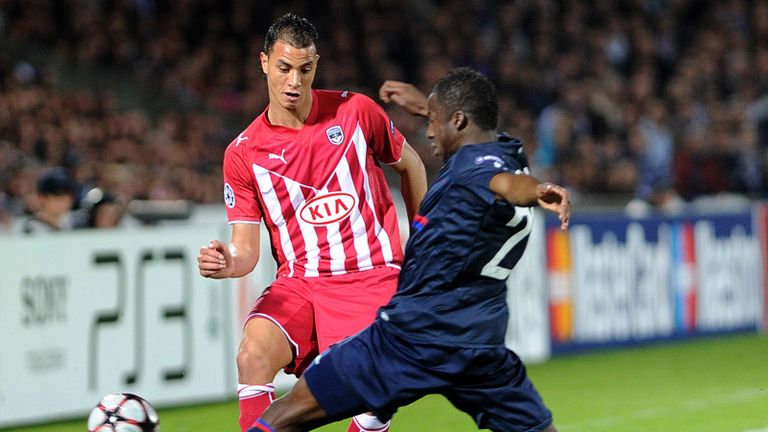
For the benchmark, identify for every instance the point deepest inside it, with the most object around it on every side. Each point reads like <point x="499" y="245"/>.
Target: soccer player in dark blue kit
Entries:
<point x="443" y="331"/>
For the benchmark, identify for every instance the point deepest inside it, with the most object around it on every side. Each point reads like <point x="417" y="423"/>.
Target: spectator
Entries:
<point x="100" y="209"/>
<point x="55" y="198"/>
<point x="592" y="75"/>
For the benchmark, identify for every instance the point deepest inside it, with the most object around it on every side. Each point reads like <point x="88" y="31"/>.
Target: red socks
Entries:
<point x="254" y="399"/>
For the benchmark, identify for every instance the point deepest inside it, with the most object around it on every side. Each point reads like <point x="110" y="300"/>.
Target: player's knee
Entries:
<point x="256" y="363"/>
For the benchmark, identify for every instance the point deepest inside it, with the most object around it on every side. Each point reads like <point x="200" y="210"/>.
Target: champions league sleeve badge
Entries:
<point x="229" y="196"/>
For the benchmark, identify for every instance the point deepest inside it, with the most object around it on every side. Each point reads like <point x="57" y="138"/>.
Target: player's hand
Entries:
<point x="405" y="95"/>
<point x="215" y="261"/>
<point x="555" y="199"/>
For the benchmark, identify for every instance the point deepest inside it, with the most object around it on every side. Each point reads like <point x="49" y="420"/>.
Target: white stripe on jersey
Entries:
<point x="346" y="184"/>
<point x="360" y="236"/>
<point x="263" y="178"/>
<point x="362" y="146"/>
<point x="308" y="233"/>
<point x="338" y="257"/>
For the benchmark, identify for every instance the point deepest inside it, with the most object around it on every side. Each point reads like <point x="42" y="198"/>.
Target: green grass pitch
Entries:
<point x="703" y="385"/>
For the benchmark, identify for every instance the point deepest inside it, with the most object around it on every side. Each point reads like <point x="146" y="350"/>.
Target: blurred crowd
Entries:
<point x="661" y="100"/>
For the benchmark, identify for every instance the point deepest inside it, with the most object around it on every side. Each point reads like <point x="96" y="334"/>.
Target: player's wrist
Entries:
<point x="542" y="189"/>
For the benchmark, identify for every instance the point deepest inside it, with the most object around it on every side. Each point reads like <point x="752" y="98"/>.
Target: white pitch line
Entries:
<point x="689" y="405"/>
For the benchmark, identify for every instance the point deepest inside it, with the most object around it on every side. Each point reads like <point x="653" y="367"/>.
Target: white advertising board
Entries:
<point x="84" y="314"/>
<point x="527" y="298"/>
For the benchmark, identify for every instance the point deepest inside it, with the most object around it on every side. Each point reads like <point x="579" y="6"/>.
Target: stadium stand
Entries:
<point x="661" y="101"/>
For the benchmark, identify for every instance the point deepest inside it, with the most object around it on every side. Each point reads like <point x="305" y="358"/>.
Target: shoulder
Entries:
<point x="479" y="155"/>
<point x="250" y="138"/>
<point x="495" y="156"/>
<point x="33" y="225"/>
<point x="344" y="99"/>
<point x="234" y="149"/>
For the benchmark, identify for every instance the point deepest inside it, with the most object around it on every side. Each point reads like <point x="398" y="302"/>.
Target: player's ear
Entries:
<point x="460" y="120"/>
<point x="264" y="60"/>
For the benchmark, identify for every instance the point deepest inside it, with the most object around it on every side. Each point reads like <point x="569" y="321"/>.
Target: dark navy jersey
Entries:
<point x="463" y="244"/>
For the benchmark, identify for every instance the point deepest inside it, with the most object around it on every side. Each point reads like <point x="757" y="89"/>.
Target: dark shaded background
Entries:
<point x="650" y="99"/>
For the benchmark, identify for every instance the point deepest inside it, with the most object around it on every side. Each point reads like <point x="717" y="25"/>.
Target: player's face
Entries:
<point x="440" y="130"/>
<point x="290" y="72"/>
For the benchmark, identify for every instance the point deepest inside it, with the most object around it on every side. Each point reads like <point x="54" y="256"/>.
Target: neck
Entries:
<point x="475" y="136"/>
<point x="295" y="119"/>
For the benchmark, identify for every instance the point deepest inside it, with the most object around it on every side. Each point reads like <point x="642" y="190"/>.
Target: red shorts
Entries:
<point x="315" y="313"/>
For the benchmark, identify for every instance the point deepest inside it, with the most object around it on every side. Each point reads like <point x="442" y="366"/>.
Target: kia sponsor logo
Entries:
<point x="327" y="209"/>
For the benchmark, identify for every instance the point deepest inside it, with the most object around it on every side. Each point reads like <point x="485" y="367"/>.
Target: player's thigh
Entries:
<point x="497" y="393"/>
<point x="372" y="370"/>
<point x="287" y="305"/>
<point x="346" y="304"/>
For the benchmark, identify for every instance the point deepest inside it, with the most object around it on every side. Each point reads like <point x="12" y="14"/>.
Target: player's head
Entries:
<point x="293" y="30"/>
<point x="289" y="60"/>
<point x="463" y="101"/>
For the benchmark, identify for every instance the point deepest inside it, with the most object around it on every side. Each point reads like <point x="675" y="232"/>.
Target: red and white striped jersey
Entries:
<point x="319" y="189"/>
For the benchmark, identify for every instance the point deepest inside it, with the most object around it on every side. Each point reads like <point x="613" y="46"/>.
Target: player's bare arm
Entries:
<point x="404" y="95"/>
<point x="525" y="190"/>
<point x="413" y="179"/>
<point x="220" y="261"/>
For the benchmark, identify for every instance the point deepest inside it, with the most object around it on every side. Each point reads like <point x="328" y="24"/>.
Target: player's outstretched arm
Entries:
<point x="220" y="261"/>
<point x="525" y="190"/>
<point x="405" y="95"/>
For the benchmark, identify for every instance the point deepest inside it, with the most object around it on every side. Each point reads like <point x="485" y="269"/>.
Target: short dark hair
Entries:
<point x="465" y="89"/>
<point x="55" y="181"/>
<point x="293" y="29"/>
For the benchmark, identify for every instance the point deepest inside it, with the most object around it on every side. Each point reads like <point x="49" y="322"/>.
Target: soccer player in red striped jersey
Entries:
<point x="309" y="168"/>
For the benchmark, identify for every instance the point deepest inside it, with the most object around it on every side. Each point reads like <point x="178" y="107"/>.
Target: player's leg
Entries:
<point x="367" y="422"/>
<point x="349" y="304"/>
<point x="278" y="334"/>
<point x="298" y="410"/>
<point x="372" y="370"/>
<point x="322" y="385"/>
<point x="496" y="392"/>
<point x="264" y="350"/>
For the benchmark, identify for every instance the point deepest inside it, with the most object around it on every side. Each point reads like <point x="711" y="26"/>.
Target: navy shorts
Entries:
<point x="379" y="371"/>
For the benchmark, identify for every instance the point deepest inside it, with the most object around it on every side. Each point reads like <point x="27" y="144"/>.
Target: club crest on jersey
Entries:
<point x="229" y="196"/>
<point x="335" y="134"/>
<point x="327" y="209"/>
<point x="497" y="161"/>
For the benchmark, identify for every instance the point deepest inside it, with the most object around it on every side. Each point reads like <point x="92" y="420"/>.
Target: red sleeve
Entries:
<point x="383" y="138"/>
<point x="240" y="196"/>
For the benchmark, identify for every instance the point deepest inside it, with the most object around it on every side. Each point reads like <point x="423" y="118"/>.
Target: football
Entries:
<point x="123" y="412"/>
